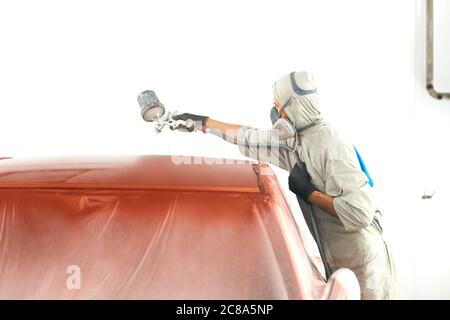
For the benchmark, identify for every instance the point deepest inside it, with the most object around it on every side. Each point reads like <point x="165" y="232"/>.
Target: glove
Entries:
<point x="194" y="117"/>
<point x="300" y="181"/>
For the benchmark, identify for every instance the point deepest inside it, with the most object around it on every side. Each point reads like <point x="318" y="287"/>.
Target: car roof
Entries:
<point x="153" y="172"/>
<point x="175" y="239"/>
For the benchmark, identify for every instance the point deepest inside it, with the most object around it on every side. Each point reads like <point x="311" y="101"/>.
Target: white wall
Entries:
<point x="431" y="235"/>
<point x="70" y="73"/>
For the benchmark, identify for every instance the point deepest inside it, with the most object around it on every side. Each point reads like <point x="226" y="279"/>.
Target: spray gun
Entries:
<point x="152" y="110"/>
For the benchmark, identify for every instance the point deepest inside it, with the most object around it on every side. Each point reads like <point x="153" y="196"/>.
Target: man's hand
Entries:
<point x="300" y="181"/>
<point x="196" y="118"/>
<point x="300" y="184"/>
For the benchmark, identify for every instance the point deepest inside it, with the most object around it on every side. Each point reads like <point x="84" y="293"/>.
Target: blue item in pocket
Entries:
<point x="363" y="167"/>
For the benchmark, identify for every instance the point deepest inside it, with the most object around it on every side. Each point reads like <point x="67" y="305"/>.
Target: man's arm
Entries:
<point x="300" y="184"/>
<point x="254" y="143"/>
<point x="323" y="201"/>
<point x="355" y="207"/>
<point x="228" y="130"/>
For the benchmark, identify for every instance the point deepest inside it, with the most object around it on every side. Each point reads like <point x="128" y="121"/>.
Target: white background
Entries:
<point x="70" y="72"/>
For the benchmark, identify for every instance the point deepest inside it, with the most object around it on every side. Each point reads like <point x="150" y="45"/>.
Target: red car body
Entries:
<point x="149" y="227"/>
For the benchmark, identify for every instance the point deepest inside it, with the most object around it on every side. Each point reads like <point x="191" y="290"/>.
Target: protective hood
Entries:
<point x="300" y="90"/>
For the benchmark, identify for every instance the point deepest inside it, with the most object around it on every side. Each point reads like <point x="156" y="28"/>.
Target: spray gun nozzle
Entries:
<point x="152" y="110"/>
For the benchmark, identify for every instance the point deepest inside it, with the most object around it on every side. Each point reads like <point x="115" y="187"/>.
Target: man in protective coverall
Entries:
<point x="325" y="171"/>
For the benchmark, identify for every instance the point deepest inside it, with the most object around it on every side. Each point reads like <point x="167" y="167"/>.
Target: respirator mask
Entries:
<point x="275" y="115"/>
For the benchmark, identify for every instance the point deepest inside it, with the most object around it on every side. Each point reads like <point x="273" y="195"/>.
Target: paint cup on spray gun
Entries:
<point x="151" y="108"/>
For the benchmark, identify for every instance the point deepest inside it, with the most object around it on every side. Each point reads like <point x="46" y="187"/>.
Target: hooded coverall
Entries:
<point x="352" y="239"/>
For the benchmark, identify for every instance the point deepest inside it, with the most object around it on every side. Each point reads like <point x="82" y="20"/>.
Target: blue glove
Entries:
<point x="300" y="181"/>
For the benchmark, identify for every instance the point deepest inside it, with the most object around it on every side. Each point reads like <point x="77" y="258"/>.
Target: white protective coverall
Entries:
<point x="353" y="239"/>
